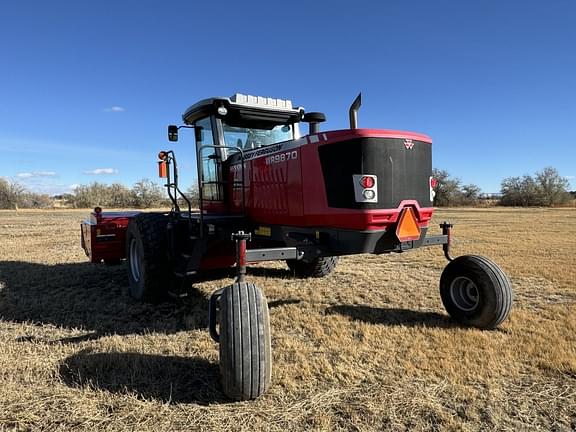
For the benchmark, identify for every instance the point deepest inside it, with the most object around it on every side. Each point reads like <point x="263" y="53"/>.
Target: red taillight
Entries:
<point x="367" y="182"/>
<point x="433" y="182"/>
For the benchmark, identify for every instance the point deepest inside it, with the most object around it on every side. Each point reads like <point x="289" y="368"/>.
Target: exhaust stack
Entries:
<point x="354" y="111"/>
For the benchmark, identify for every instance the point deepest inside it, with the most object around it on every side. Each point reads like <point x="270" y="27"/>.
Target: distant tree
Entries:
<point x="35" y="200"/>
<point x="119" y="196"/>
<point x="68" y="199"/>
<point x="447" y="189"/>
<point x="470" y="194"/>
<point x="519" y="191"/>
<point x="94" y="194"/>
<point x="11" y="194"/>
<point x="547" y="188"/>
<point x="553" y="187"/>
<point x="451" y="192"/>
<point x="146" y="193"/>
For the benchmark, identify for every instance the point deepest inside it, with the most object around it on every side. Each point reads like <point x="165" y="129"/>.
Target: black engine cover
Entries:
<point x="403" y="170"/>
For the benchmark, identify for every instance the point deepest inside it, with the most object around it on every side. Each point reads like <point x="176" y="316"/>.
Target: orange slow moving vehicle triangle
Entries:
<point x="408" y="228"/>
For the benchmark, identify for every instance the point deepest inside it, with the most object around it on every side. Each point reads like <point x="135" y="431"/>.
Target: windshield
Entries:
<point x="249" y="138"/>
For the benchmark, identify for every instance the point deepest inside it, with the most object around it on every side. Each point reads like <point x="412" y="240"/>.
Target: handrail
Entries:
<point x="174" y="185"/>
<point x="169" y="184"/>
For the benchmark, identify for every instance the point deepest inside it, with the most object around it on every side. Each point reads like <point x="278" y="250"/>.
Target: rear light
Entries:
<point x="433" y="184"/>
<point x="369" y="194"/>
<point x="367" y="182"/>
<point x="365" y="188"/>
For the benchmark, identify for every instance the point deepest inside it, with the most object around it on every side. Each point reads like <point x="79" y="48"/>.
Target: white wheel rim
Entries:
<point x="464" y="294"/>
<point x="134" y="260"/>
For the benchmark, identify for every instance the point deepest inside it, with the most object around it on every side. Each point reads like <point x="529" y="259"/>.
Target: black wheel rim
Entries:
<point x="464" y="294"/>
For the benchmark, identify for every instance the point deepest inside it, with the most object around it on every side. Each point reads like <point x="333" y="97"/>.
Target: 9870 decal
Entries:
<point x="281" y="157"/>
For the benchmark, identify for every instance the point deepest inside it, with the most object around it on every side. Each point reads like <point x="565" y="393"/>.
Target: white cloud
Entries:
<point x="570" y="177"/>
<point x="73" y="186"/>
<point x="27" y="175"/>
<point x="115" y="108"/>
<point x="102" y="171"/>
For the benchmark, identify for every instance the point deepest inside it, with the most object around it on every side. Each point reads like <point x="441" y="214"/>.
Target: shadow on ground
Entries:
<point x="168" y="379"/>
<point x="392" y="316"/>
<point x="91" y="297"/>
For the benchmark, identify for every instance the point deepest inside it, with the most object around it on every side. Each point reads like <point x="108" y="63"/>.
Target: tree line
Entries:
<point x="143" y="194"/>
<point x="14" y="195"/>
<point x="545" y="188"/>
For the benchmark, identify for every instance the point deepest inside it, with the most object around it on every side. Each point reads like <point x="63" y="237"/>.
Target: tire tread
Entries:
<point x="151" y="228"/>
<point x="501" y="290"/>
<point x="245" y="359"/>
<point x="319" y="267"/>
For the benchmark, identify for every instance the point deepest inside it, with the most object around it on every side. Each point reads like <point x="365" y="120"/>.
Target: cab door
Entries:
<point x="209" y="159"/>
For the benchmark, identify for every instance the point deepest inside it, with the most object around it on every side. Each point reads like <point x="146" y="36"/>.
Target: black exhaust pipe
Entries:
<point x="354" y="111"/>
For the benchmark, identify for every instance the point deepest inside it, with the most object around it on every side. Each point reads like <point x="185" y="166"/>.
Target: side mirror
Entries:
<point x="172" y="133"/>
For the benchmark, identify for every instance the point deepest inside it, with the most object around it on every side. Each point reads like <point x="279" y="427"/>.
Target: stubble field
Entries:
<point x="366" y="348"/>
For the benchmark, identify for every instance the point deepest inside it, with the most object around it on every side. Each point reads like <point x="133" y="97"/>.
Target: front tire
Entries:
<point x="476" y="292"/>
<point x="146" y="257"/>
<point x="245" y="350"/>
<point x="318" y="267"/>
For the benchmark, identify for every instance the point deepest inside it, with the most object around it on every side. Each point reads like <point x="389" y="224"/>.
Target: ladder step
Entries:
<point x="180" y="274"/>
<point x="177" y="295"/>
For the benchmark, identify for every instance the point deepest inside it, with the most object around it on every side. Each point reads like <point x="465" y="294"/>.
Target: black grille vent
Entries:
<point x="402" y="173"/>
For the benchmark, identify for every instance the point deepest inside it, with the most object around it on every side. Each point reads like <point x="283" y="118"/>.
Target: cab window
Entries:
<point x="250" y="138"/>
<point x="211" y="190"/>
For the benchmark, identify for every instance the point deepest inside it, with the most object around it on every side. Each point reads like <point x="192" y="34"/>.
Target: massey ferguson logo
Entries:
<point x="408" y="144"/>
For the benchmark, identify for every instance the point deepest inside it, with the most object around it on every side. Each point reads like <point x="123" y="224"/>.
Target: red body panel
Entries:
<point x="104" y="234"/>
<point x="286" y="187"/>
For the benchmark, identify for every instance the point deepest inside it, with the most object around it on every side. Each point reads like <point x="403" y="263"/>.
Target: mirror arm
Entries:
<point x="173" y="131"/>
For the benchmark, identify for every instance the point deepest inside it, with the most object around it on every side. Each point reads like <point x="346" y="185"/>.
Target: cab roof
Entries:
<point x="246" y="108"/>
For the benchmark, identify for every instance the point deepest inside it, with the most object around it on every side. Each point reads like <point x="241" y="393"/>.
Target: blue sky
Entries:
<point x="87" y="88"/>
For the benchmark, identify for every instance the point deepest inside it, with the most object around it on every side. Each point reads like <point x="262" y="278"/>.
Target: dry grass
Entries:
<point x="367" y="348"/>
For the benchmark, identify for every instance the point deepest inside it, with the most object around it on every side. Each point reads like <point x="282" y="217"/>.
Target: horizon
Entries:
<point x="88" y="90"/>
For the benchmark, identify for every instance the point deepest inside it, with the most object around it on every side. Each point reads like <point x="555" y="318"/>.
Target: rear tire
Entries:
<point x="146" y="257"/>
<point x="245" y="350"/>
<point x="318" y="267"/>
<point x="476" y="292"/>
